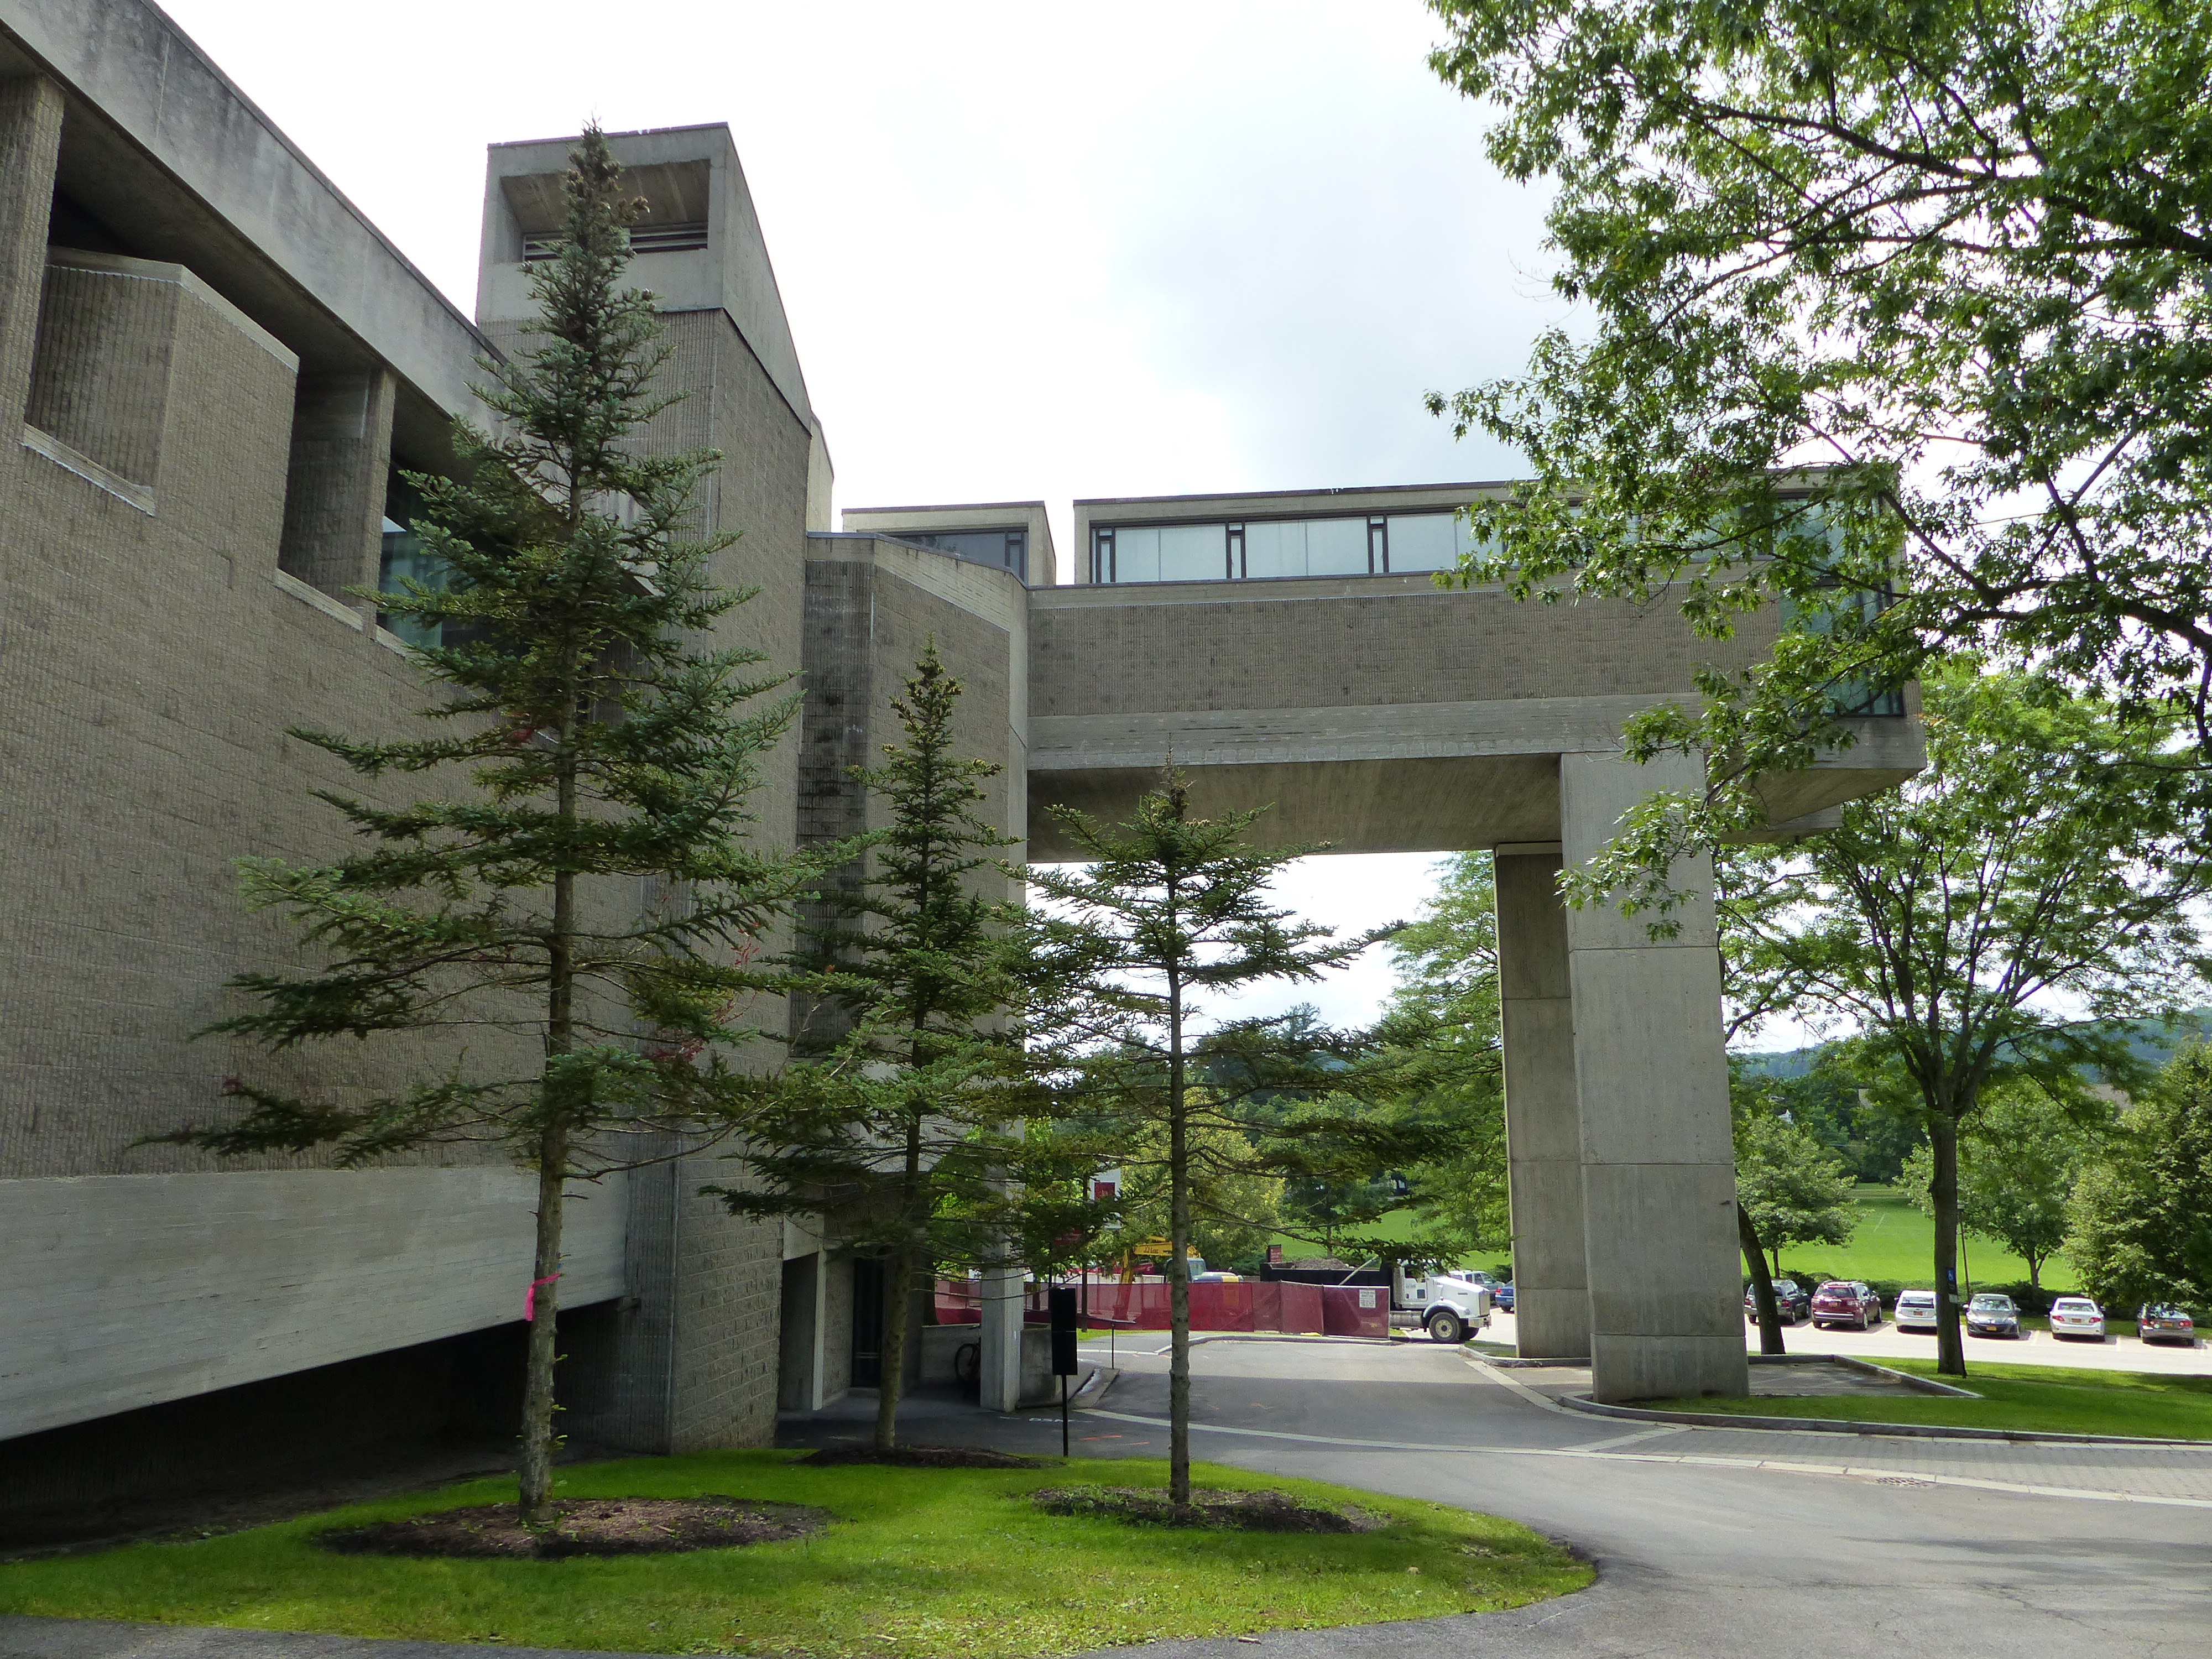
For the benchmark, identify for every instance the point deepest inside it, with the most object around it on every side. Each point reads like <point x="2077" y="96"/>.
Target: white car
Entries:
<point x="1915" y="1311"/>
<point x="2076" y="1315"/>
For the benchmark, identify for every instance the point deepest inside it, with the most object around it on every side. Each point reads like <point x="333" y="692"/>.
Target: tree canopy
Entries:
<point x="1899" y="321"/>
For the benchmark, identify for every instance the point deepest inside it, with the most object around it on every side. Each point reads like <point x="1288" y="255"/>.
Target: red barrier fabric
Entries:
<point x="1302" y="1309"/>
<point x="1355" y="1309"/>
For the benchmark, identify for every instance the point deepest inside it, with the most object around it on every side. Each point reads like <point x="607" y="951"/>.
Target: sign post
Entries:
<point x="1060" y="1299"/>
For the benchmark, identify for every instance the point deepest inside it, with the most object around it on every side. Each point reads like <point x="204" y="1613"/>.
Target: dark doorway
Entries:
<point x="867" y="1323"/>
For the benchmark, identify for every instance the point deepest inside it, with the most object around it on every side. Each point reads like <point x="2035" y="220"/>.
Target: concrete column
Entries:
<point x="1543" y="1132"/>
<point x="1005" y="1295"/>
<point x="1651" y="1075"/>
<point x="30" y="145"/>
<point x="334" y="494"/>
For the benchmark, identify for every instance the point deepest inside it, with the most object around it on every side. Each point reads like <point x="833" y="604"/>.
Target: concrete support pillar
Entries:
<point x="1651" y="1075"/>
<point x="1543" y="1134"/>
<point x="334" y="494"/>
<point x="30" y="146"/>
<point x="1004" y="1297"/>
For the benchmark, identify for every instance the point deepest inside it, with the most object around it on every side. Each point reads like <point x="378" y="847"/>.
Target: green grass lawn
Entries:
<point x="1895" y="1241"/>
<point x="919" y="1562"/>
<point x="2163" y="1407"/>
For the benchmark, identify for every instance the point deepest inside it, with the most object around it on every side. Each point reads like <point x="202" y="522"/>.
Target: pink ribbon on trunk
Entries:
<point x="530" y="1297"/>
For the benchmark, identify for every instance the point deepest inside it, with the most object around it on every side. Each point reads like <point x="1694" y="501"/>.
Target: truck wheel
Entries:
<point x="1445" y="1326"/>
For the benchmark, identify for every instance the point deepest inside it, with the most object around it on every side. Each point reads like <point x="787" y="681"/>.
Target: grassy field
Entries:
<point x="919" y="1562"/>
<point x="2156" y="1407"/>
<point x="1895" y="1241"/>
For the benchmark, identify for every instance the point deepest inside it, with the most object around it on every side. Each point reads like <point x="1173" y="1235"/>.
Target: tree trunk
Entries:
<point x="1943" y="1197"/>
<point x="1762" y="1285"/>
<point x="544" y="1301"/>
<point x="898" y="1309"/>
<point x="1178" y="1260"/>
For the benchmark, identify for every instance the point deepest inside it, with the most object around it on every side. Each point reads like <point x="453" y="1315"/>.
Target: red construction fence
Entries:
<point x="1215" y="1305"/>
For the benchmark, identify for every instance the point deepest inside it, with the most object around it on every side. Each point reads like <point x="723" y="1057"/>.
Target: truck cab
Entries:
<point x="1450" y="1308"/>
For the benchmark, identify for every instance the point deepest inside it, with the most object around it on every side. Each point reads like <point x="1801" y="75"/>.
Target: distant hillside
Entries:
<point x="2148" y="1039"/>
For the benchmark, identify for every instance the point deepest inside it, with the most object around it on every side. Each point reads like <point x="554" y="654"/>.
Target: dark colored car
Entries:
<point x="1790" y="1301"/>
<point x="1991" y="1314"/>
<point x="2161" y="1322"/>
<point x="1846" y="1301"/>
<point x="1501" y="1297"/>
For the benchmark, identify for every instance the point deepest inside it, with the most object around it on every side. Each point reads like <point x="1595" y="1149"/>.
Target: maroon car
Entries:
<point x="1846" y="1301"/>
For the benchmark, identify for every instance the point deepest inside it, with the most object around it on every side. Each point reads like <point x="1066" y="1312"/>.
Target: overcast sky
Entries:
<point x="1027" y="250"/>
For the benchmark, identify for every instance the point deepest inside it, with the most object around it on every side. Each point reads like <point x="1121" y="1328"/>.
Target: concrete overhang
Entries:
<point x="160" y="147"/>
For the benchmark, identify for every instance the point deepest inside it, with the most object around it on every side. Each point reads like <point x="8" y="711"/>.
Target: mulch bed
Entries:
<point x="920" y="1458"/>
<point x="1210" y="1506"/>
<point x="583" y="1526"/>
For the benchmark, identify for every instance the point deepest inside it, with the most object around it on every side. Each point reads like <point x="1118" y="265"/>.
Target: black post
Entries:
<point x="1060" y="1303"/>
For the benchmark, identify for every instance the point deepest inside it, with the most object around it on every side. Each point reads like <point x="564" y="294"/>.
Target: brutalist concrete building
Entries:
<point x="212" y="369"/>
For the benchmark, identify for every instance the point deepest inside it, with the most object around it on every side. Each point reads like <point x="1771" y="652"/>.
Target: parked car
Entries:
<point x="1987" y="1315"/>
<point x="1846" y="1301"/>
<point x="2161" y="1322"/>
<point x="1915" y="1311"/>
<point x="2076" y="1315"/>
<point x="1501" y="1297"/>
<point x="1791" y="1302"/>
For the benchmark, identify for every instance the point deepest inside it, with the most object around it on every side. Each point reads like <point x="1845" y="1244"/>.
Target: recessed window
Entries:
<point x="404" y="558"/>
<point x="643" y="238"/>
<point x="1003" y="550"/>
<point x="1257" y="549"/>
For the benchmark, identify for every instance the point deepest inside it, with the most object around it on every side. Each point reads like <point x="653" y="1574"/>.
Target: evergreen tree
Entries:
<point x="1171" y="906"/>
<point x="896" y="1124"/>
<point x="593" y="731"/>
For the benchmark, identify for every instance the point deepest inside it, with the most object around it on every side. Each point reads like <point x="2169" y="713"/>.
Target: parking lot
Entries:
<point x="1886" y="1341"/>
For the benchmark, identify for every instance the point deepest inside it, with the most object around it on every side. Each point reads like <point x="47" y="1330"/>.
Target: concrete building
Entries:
<point x="212" y="368"/>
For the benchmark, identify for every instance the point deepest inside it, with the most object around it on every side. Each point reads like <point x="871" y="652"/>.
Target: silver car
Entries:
<point x="2075" y="1316"/>
<point x="1991" y="1314"/>
<point x="1915" y="1311"/>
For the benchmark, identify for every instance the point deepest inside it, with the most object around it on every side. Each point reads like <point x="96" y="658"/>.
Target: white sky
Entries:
<point x="1027" y="250"/>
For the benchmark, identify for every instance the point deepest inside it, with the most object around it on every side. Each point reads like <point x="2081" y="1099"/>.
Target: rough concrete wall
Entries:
<point x="125" y="1291"/>
<point x="341" y="467"/>
<point x="837" y="1330"/>
<point x="101" y="381"/>
<point x="1350" y="642"/>
<point x="30" y="144"/>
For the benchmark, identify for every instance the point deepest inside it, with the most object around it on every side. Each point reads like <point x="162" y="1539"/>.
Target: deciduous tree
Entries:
<point x="1896" y="320"/>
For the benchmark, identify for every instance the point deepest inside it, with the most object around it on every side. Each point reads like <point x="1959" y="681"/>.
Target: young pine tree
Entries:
<point x="592" y="731"/>
<point x="1167" y="907"/>
<point x="896" y="1127"/>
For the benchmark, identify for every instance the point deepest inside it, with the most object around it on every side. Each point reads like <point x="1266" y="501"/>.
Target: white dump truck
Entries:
<point x="1452" y="1307"/>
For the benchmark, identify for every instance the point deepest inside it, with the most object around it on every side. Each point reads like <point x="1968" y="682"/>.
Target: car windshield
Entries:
<point x="2163" y="1311"/>
<point x="1990" y="1305"/>
<point x="1786" y="1287"/>
<point x="1918" y="1297"/>
<point x="1837" y="1287"/>
<point x="2071" y="1305"/>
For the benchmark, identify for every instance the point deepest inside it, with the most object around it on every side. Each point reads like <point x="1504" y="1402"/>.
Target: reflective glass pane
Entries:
<point x="1336" y="546"/>
<point x="1192" y="552"/>
<point x="1466" y="541"/>
<point x="1136" y="555"/>
<point x="1423" y="542"/>
<point x="1275" y="549"/>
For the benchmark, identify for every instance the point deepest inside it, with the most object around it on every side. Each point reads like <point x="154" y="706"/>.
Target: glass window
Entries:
<point x="1425" y="541"/>
<point x="1003" y="550"/>
<point x="1336" y="546"/>
<point x="1192" y="552"/>
<point x="404" y="558"/>
<point x="1275" y="549"/>
<point x="1136" y="555"/>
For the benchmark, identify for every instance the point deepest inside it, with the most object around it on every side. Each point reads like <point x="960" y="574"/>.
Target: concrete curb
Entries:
<point x="1582" y="1402"/>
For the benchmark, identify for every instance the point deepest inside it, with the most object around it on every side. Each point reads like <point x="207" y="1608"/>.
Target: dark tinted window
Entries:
<point x="1004" y="549"/>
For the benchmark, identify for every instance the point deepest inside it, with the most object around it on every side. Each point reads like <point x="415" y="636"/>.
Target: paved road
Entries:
<point x="1709" y="1542"/>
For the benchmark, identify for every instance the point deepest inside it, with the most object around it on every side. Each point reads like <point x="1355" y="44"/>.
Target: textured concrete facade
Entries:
<point x="210" y="366"/>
